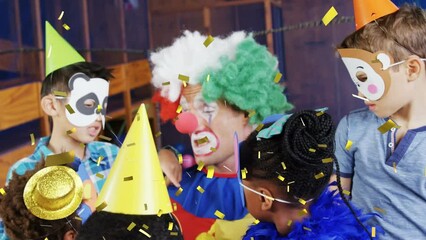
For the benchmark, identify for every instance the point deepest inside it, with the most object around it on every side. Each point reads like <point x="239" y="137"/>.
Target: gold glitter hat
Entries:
<point x="53" y="192"/>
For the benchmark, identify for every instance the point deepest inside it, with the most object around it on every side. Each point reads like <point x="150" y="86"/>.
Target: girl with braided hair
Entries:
<point x="285" y="169"/>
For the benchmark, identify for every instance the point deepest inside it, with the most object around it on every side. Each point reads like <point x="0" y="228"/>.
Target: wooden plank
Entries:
<point x="9" y="158"/>
<point x="19" y="105"/>
<point x="138" y="73"/>
<point x="116" y="85"/>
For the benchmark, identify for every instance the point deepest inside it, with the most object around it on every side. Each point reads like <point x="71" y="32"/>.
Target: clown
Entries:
<point x="219" y="89"/>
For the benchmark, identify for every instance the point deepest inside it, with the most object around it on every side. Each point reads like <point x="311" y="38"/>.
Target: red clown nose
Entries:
<point x="186" y="123"/>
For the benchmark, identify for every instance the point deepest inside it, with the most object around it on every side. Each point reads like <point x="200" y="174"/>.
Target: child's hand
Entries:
<point x="170" y="166"/>
<point x="89" y="194"/>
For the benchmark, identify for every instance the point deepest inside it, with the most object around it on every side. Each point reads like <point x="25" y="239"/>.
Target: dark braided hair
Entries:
<point x="20" y="223"/>
<point x="296" y="154"/>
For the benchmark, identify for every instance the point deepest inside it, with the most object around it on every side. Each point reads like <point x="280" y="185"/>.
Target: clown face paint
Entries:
<point x="369" y="71"/>
<point x="88" y="98"/>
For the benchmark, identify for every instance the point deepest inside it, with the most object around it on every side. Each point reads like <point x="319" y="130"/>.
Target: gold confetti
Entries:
<point x="183" y="78"/>
<point x="174" y="206"/>
<point x="87" y="192"/>
<point x="170" y="228"/>
<point x="289" y="222"/>
<point x="180" y="158"/>
<point x="281" y="178"/>
<point x="173" y="233"/>
<point x="319" y="175"/>
<point x="200" y="189"/>
<point x="66" y="26"/>
<point x="384" y="128"/>
<point x="394" y="167"/>
<point x="277" y="77"/>
<point x="101" y="206"/>
<point x="78" y="218"/>
<point x="202" y="140"/>
<point x="288" y="188"/>
<point x="303" y="202"/>
<point x="99" y="175"/>
<point x="256" y="221"/>
<point x="322" y="145"/>
<point x="145" y="226"/>
<point x="303" y="212"/>
<point x="307" y="229"/>
<point x="50" y="51"/>
<point x="144" y="233"/>
<point x="210" y="171"/>
<point x="146" y="206"/>
<point x="105" y="138"/>
<point x="208" y="40"/>
<point x="213" y="149"/>
<point x="131" y="144"/>
<point x="346" y="192"/>
<point x="251" y="113"/>
<point x="32" y="139"/>
<point x="179" y="109"/>
<point x="219" y="214"/>
<point x="71" y="131"/>
<point x="165" y="83"/>
<point x="131" y="226"/>
<point x="243" y="173"/>
<point x="208" y="78"/>
<point x="100" y="158"/>
<point x="379" y="210"/>
<point x="184" y="84"/>
<point x="259" y="127"/>
<point x="61" y="15"/>
<point x="329" y="16"/>
<point x="348" y="145"/>
<point x="60" y="159"/>
<point x="160" y="212"/>
<point x="60" y="94"/>
<point x="258" y="154"/>
<point x="69" y="109"/>
<point x="312" y="150"/>
<point x="130" y="178"/>
<point x="2" y="191"/>
<point x="158" y="134"/>
<point x="373" y="232"/>
<point x="99" y="108"/>
<point x="319" y="113"/>
<point x="200" y="165"/>
<point x="327" y="160"/>
<point x="284" y="166"/>
<point x="178" y="192"/>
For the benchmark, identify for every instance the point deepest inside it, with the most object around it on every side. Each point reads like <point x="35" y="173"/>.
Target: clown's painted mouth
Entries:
<point x="204" y="142"/>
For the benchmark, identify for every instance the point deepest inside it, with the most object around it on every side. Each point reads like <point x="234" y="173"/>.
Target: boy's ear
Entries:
<point x="49" y="106"/>
<point x="414" y="67"/>
<point x="266" y="203"/>
<point x="70" y="235"/>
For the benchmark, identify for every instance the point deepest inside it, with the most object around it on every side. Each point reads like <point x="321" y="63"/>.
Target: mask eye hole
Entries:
<point x="89" y="103"/>
<point x="361" y="76"/>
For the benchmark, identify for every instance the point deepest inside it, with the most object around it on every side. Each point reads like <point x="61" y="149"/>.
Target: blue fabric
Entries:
<point x="220" y="193"/>
<point x="87" y="168"/>
<point x="329" y="218"/>
<point x="375" y="185"/>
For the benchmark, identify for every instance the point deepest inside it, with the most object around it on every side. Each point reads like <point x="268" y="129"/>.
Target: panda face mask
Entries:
<point x="88" y="99"/>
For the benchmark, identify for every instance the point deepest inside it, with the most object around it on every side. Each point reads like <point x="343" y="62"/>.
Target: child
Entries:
<point x="285" y="170"/>
<point x="225" y="87"/>
<point x="26" y="217"/>
<point x="74" y="95"/>
<point x="381" y="149"/>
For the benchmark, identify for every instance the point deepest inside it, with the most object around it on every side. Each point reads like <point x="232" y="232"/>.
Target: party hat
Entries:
<point x="135" y="184"/>
<point x="366" y="11"/>
<point x="59" y="53"/>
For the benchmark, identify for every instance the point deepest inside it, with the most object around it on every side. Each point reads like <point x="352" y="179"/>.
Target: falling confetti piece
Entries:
<point x="61" y="15"/>
<point x="158" y="134"/>
<point x="307" y="229"/>
<point x="329" y="16"/>
<point x="131" y="226"/>
<point x="312" y="150"/>
<point x="99" y="108"/>
<point x="281" y="178"/>
<point x="200" y="165"/>
<point x="288" y="188"/>
<point x="202" y="140"/>
<point x="130" y="178"/>
<point x="327" y="160"/>
<point x="346" y="192"/>
<point x="259" y="127"/>
<point x="178" y="192"/>
<point x="277" y="77"/>
<point x="251" y="113"/>
<point x="208" y="78"/>
<point x="174" y="207"/>
<point x="50" y="51"/>
<point x="303" y="202"/>
<point x="66" y="26"/>
<point x="131" y="144"/>
<point x="71" y="131"/>
<point x="348" y="145"/>
<point x="78" y="218"/>
<point x="200" y="189"/>
<point x="165" y="83"/>
<point x="32" y="139"/>
<point x="243" y="173"/>
<point x="210" y="171"/>
<point x="219" y="214"/>
<point x="60" y="94"/>
<point x="101" y="206"/>
<point x="144" y="233"/>
<point x="394" y="167"/>
<point x="60" y="159"/>
<point x="387" y="126"/>
<point x="69" y="109"/>
<point x="2" y="191"/>
<point x="170" y="228"/>
<point x="180" y="158"/>
<point x="362" y="98"/>
<point x="160" y="212"/>
<point x="379" y="210"/>
<point x="289" y="222"/>
<point x="99" y="175"/>
<point x="87" y="192"/>
<point x="100" y="158"/>
<point x="208" y="40"/>
<point x="319" y="113"/>
<point x="173" y="233"/>
<point x="145" y="226"/>
<point x="183" y="78"/>
<point x="373" y="232"/>
<point x="179" y="109"/>
<point x="213" y="149"/>
<point x="303" y="212"/>
<point x="319" y="175"/>
<point x="146" y="206"/>
<point x="322" y="145"/>
<point x="256" y="221"/>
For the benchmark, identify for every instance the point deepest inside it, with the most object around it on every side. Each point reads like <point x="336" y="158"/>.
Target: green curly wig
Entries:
<point x="247" y="82"/>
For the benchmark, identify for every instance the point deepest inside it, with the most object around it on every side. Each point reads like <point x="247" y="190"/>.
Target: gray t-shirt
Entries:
<point x="387" y="180"/>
